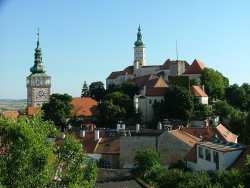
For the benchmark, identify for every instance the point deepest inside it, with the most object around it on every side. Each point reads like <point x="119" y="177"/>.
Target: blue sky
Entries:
<point x="86" y="40"/>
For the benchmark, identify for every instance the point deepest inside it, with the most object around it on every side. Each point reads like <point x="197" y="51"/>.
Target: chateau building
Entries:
<point x="38" y="82"/>
<point x="153" y="80"/>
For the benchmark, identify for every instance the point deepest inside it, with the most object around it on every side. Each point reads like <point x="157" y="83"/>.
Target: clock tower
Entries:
<point x="38" y="82"/>
<point x="139" y="51"/>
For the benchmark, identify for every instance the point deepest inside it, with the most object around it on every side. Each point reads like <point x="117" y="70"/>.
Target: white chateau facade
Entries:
<point x="38" y="82"/>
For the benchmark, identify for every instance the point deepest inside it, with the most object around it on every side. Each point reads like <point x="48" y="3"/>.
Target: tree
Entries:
<point x="201" y="111"/>
<point x="29" y="160"/>
<point x="32" y="161"/>
<point x="75" y="168"/>
<point x="178" y="103"/>
<point x="85" y="90"/>
<point x="146" y="161"/>
<point x="58" y="109"/>
<point x="215" y="83"/>
<point x="97" y="90"/>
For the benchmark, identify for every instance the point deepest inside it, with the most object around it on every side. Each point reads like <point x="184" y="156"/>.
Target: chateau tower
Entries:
<point x="139" y="51"/>
<point x="38" y="82"/>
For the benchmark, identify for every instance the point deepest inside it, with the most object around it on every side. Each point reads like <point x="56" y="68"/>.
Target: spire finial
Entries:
<point x="176" y="47"/>
<point x="139" y="28"/>
<point x="139" y="41"/>
<point x="37" y="37"/>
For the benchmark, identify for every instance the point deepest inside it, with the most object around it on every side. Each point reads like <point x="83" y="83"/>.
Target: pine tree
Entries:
<point x="85" y="90"/>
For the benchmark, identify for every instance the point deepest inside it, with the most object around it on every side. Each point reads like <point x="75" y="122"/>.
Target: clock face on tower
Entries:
<point x="41" y="94"/>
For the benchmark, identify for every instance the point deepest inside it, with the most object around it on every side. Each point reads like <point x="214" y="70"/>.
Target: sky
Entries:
<point x="86" y="40"/>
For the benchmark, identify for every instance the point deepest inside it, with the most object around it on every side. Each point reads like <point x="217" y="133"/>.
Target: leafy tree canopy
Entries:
<point x="58" y="109"/>
<point x="215" y="83"/>
<point x="97" y="90"/>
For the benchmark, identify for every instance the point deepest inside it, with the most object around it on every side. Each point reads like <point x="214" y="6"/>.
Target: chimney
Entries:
<point x="118" y="127"/>
<point x="82" y="133"/>
<point x="137" y="128"/>
<point x="123" y="126"/>
<point x="159" y="126"/>
<point x="97" y="135"/>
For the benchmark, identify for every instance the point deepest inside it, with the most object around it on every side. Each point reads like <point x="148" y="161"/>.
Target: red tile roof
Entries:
<point x="198" y="91"/>
<point x="31" y="111"/>
<point x="10" y="114"/>
<point x="85" y="106"/>
<point x="195" y="68"/>
<point x="226" y="134"/>
<point x="209" y="133"/>
<point x="156" y="91"/>
<point x="185" y="137"/>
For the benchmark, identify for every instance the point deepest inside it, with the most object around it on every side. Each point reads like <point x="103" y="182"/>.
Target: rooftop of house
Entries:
<point x="185" y="137"/>
<point x="221" y="146"/>
<point x="10" y="114"/>
<point x="84" y="106"/>
<point x="198" y="91"/>
<point x="195" y="68"/>
<point x="169" y="62"/>
<point x="210" y="133"/>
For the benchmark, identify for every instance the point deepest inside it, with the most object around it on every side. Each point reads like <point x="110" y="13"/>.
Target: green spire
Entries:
<point x="139" y="41"/>
<point x="38" y="64"/>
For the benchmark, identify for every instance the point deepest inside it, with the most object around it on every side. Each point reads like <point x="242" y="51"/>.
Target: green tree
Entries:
<point x="58" y="109"/>
<point x="178" y="103"/>
<point x="85" y="90"/>
<point x="29" y="159"/>
<point x="146" y="161"/>
<point x="215" y="83"/>
<point x="97" y="90"/>
<point x="75" y="168"/>
<point x="202" y="111"/>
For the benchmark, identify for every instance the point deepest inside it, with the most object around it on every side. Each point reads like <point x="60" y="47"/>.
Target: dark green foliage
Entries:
<point x="128" y="88"/>
<point x="85" y="90"/>
<point x="201" y="111"/>
<point x="179" y="81"/>
<point x="58" y="109"/>
<point x="239" y="96"/>
<point x="146" y="162"/>
<point x="116" y="106"/>
<point x="215" y="83"/>
<point x="97" y="90"/>
<point x="178" y="104"/>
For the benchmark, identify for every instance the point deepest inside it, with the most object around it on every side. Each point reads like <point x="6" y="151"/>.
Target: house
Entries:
<point x="32" y="111"/>
<point x="84" y="110"/>
<point x="172" y="146"/>
<point x="200" y="94"/>
<point x="10" y="114"/>
<point x="214" y="155"/>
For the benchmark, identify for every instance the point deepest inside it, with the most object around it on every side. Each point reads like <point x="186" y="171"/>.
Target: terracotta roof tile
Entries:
<point x="198" y="91"/>
<point x="226" y="134"/>
<point x="10" y="114"/>
<point x="85" y="106"/>
<point x="185" y="137"/>
<point x="195" y="68"/>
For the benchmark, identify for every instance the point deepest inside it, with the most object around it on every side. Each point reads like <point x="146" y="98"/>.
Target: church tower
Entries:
<point x="38" y="82"/>
<point x="139" y="51"/>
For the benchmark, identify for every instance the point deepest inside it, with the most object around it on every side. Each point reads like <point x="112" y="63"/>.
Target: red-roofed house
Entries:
<point x="199" y="93"/>
<point x="195" y="70"/>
